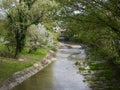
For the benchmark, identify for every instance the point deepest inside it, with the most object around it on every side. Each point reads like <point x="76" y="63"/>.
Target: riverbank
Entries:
<point x="29" y="64"/>
<point x="25" y="60"/>
<point x="60" y="75"/>
<point x="99" y="74"/>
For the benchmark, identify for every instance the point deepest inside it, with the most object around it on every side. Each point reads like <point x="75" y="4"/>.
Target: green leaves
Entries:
<point x="96" y="25"/>
<point x="21" y="14"/>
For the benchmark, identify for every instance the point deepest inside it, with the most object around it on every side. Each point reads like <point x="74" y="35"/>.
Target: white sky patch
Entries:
<point x="77" y="12"/>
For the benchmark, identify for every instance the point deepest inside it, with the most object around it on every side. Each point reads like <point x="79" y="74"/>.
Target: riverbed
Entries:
<point x="62" y="74"/>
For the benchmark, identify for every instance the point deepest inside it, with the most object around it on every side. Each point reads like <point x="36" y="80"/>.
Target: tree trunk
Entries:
<point x="20" y="41"/>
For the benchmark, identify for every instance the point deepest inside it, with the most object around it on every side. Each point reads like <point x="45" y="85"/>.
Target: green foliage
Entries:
<point x="35" y="55"/>
<point x="22" y="14"/>
<point x="106" y="74"/>
<point x="95" y="24"/>
<point x="99" y="66"/>
<point x="38" y="36"/>
<point x="53" y="48"/>
<point x="6" y="49"/>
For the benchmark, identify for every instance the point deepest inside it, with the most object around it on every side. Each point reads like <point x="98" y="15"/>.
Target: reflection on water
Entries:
<point x="60" y="75"/>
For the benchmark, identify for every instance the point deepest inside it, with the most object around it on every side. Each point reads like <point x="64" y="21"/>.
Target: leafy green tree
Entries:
<point x="94" y="23"/>
<point x="23" y="13"/>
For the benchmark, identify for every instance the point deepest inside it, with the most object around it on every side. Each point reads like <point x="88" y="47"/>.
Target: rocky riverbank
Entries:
<point x="99" y="74"/>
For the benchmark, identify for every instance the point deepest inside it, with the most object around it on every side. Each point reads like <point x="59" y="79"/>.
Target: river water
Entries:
<point x="61" y="74"/>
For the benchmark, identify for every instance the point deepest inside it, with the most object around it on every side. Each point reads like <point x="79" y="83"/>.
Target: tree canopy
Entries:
<point x="21" y="14"/>
<point x="94" y="23"/>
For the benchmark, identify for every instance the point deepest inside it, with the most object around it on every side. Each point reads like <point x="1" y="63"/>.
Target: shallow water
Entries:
<point x="61" y="74"/>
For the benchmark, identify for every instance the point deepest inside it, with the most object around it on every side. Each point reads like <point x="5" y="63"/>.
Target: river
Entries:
<point x="61" y="74"/>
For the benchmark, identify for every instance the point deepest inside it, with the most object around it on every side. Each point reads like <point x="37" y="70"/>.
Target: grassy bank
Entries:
<point x="8" y="66"/>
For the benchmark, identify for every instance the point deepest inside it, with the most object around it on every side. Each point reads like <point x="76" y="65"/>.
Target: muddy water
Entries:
<point x="61" y="74"/>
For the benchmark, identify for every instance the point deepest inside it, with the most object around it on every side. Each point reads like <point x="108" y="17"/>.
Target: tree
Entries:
<point x="94" y="23"/>
<point x="38" y="36"/>
<point x="22" y="14"/>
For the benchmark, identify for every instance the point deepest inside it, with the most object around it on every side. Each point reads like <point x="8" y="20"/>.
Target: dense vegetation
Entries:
<point x="26" y="33"/>
<point x="94" y="23"/>
<point x="19" y="17"/>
